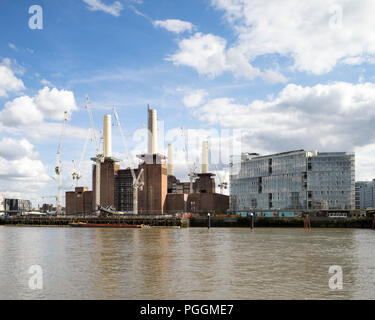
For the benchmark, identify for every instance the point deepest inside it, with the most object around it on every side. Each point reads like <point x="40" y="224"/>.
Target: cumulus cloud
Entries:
<point x="20" y="167"/>
<point x="209" y="55"/>
<point x="53" y="102"/>
<point x="47" y="83"/>
<point x="204" y="52"/>
<point x="316" y="35"/>
<point x="8" y="80"/>
<point x="174" y="25"/>
<point x="20" y="111"/>
<point x="47" y="104"/>
<point x="331" y="117"/>
<point x="98" y="5"/>
<point x="195" y="98"/>
<point x="11" y="149"/>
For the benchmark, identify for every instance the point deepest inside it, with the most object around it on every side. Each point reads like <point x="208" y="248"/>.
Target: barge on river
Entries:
<point x="104" y="225"/>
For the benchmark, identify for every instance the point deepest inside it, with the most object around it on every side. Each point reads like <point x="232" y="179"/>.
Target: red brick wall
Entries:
<point x="152" y="199"/>
<point x="213" y="202"/>
<point x="108" y="170"/>
<point x="176" y="203"/>
<point x="78" y="201"/>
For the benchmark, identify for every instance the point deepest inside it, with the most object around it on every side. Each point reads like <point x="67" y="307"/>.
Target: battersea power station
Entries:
<point x="150" y="189"/>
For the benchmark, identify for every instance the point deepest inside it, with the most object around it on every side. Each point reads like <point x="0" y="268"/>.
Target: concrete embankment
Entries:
<point x="215" y="222"/>
<point x="159" y="221"/>
<point x="316" y="222"/>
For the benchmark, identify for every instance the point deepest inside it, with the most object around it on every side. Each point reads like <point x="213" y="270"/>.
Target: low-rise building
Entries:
<point x="79" y="201"/>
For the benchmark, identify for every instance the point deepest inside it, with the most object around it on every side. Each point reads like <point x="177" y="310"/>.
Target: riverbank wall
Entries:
<point x="215" y="222"/>
<point x="316" y="222"/>
<point x="155" y="221"/>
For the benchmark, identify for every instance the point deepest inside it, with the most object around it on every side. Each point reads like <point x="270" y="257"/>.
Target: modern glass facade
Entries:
<point x="297" y="180"/>
<point x="365" y="194"/>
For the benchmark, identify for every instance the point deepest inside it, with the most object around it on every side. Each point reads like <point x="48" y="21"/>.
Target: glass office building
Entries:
<point x="365" y="194"/>
<point x="297" y="180"/>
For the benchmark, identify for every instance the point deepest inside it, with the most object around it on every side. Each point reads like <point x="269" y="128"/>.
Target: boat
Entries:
<point x="103" y="225"/>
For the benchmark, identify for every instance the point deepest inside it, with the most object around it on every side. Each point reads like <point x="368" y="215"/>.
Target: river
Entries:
<point x="190" y="263"/>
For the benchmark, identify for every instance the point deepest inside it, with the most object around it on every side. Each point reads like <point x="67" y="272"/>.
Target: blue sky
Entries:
<point x="294" y="76"/>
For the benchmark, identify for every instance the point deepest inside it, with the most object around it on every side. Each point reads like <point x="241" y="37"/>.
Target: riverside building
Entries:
<point x="297" y="180"/>
<point x="365" y="194"/>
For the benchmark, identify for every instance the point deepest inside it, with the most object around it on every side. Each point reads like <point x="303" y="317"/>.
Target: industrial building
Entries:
<point x="199" y="195"/>
<point x="124" y="190"/>
<point x="15" y="206"/>
<point x="158" y="190"/>
<point x="298" y="180"/>
<point x="78" y="201"/>
<point x="365" y="194"/>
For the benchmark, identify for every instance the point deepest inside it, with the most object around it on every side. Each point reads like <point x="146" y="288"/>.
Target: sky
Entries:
<point x="247" y="75"/>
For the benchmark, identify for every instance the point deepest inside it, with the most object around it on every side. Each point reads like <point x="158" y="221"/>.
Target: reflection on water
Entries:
<point x="193" y="263"/>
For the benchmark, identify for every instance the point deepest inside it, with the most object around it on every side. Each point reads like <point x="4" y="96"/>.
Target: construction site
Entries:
<point x="149" y="188"/>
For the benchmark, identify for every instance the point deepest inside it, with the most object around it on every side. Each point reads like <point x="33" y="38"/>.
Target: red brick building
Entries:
<point x="79" y="201"/>
<point x="108" y="171"/>
<point x="152" y="199"/>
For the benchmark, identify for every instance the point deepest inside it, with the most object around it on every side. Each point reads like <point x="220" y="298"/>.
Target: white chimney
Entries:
<point x="107" y="136"/>
<point x="170" y="168"/>
<point x="152" y="131"/>
<point x="205" y="157"/>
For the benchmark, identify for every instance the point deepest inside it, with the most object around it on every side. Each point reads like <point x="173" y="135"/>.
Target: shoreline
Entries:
<point x="196" y="222"/>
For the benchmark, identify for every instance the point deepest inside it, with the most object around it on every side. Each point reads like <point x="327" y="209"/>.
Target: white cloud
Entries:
<point x="13" y="46"/>
<point x="53" y="102"/>
<point x="31" y="116"/>
<point x="365" y="162"/>
<point x="21" y="111"/>
<point x="47" y="104"/>
<point x="8" y="81"/>
<point x="205" y="53"/>
<point x="240" y="66"/>
<point x="316" y="35"/>
<point x="195" y="98"/>
<point x="45" y="82"/>
<point x="11" y="149"/>
<point x="209" y="55"/>
<point x="97" y="5"/>
<point x="20" y="167"/>
<point x="273" y="76"/>
<point x="174" y="25"/>
<point x="331" y="117"/>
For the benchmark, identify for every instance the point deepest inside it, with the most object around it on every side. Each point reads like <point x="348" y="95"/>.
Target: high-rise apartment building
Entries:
<point x="297" y="180"/>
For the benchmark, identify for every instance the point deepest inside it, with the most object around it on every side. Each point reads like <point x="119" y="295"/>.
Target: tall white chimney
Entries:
<point x="205" y="157"/>
<point x="152" y="131"/>
<point x="170" y="168"/>
<point x="107" y="136"/>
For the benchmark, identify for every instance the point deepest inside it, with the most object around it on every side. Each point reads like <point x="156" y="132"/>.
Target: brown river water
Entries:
<point x="191" y="263"/>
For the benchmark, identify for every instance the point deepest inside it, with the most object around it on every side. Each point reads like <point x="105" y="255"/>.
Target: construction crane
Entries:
<point x="137" y="182"/>
<point x="58" y="168"/>
<point x="99" y="156"/>
<point x="222" y="184"/>
<point x="193" y="168"/>
<point x="76" y="174"/>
